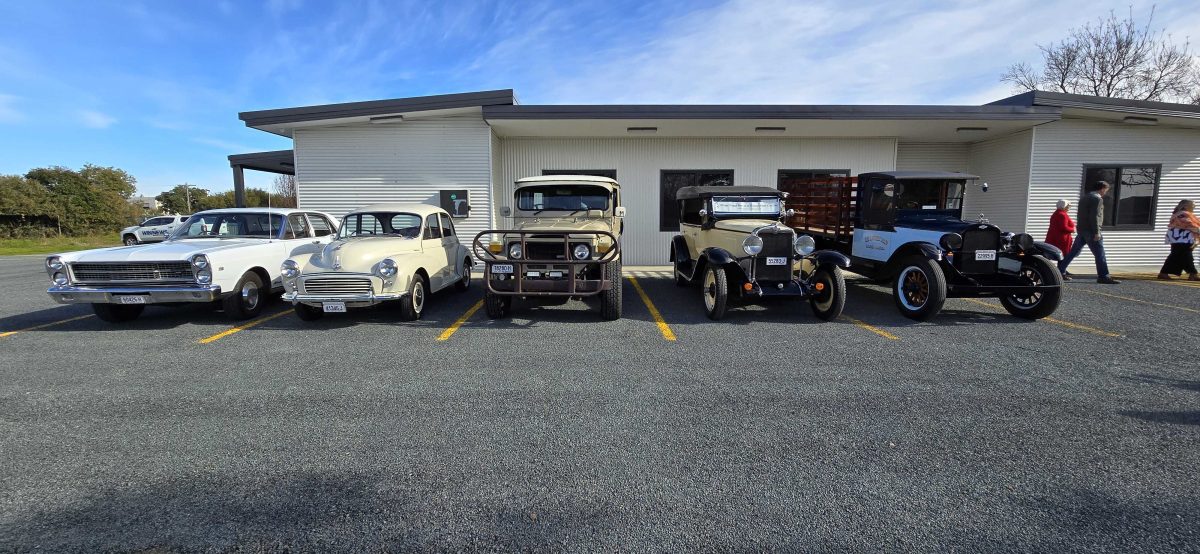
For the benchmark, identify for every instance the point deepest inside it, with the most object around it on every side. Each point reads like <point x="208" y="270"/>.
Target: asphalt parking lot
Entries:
<point x="554" y="430"/>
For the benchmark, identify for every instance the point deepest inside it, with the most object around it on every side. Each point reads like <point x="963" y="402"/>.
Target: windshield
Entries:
<point x="746" y="206"/>
<point x="929" y="194"/>
<point x="570" y="198"/>
<point x="381" y="223"/>
<point x="230" y="225"/>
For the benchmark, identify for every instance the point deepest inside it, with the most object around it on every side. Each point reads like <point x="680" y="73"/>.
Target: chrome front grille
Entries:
<point x="775" y="245"/>
<point x="132" y="272"/>
<point x="337" y="285"/>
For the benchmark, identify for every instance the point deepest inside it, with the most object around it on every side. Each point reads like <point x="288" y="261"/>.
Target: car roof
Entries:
<point x="568" y="179"/>
<point x="410" y="207"/>
<point x="688" y="193"/>
<point x="279" y="211"/>
<point x="919" y="175"/>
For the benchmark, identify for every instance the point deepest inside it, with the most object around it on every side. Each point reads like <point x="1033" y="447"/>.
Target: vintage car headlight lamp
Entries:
<point x="290" y="269"/>
<point x="202" y="268"/>
<point x="582" y="251"/>
<point x="804" y="245"/>
<point x="515" y="251"/>
<point x="60" y="278"/>
<point x="54" y="263"/>
<point x="387" y="268"/>
<point x="753" y="244"/>
<point x="951" y="242"/>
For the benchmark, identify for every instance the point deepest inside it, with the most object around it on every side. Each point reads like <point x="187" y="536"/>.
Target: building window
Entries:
<point x="672" y="180"/>
<point x="610" y="173"/>
<point x="1131" y="201"/>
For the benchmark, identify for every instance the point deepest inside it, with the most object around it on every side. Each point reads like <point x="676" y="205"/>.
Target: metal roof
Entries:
<point x="378" y="107"/>
<point x="742" y="111"/>
<point x="276" y="161"/>
<point x="410" y="207"/>
<point x="687" y="193"/>
<point x="920" y="175"/>
<point x="1083" y="101"/>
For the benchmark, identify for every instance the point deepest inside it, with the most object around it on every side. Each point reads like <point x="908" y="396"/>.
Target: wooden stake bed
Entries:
<point x="824" y="206"/>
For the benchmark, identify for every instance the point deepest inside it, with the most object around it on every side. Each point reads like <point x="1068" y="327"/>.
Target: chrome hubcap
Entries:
<point x="418" y="296"/>
<point x="250" y="295"/>
<point x="710" y="290"/>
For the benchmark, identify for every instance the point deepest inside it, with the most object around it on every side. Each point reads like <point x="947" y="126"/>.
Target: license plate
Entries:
<point x="131" y="299"/>
<point x="502" y="268"/>
<point x="334" y="307"/>
<point x="776" y="261"/>
<point x="985" y="255"/>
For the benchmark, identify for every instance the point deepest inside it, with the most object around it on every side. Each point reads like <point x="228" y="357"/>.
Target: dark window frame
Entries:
<point x="1114" y="194"/>
<point x="589" y="172"/>
<point x="662" y="174"/>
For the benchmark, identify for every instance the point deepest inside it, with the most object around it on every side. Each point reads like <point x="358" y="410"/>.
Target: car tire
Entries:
<point x="308" y="313"/>
<point x="247" y="298"/>
<point x="1040" y="271"/>
<point x="464" y="284"/>
<point x="610" y="300"/>
<point x="413" y="303"/>
<point x="129" y="240"/>
<point x="496" y="306"/>
<point x="919" y="288"/>
<point x="828" y="303"/>
<point x="118" y="313"/>
<point x="715" y="288"/>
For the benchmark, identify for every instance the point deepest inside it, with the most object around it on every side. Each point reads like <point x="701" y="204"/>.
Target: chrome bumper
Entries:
<point x="356" y="300"/>
<point x="71" y="294"/>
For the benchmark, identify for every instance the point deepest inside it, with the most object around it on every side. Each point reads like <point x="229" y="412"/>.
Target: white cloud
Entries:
<point x="95" y="119"/>
<point x="8" y="109"/>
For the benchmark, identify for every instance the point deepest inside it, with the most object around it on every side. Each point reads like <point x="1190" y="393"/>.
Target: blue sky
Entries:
<point x="155" y="87"/>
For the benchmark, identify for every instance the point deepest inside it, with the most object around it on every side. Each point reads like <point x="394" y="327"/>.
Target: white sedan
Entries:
<point x="231" y="256"/>
<point x="383" y="252"/>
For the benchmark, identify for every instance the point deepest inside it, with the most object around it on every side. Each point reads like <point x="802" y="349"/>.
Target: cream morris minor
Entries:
<point x="384" y="252"/>
<point x="231" y="256"/>
<point x="732" y="241"/>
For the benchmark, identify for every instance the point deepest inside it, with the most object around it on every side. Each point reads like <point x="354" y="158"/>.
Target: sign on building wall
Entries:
<point x="457" y="202"/>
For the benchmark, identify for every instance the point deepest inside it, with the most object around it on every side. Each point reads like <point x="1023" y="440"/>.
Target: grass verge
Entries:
<point x="51" y="245"/>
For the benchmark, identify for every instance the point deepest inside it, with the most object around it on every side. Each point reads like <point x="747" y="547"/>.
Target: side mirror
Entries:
<point x="703" y="214"/>
<point x="619" y="211"/>
<point x="505" y="211"/>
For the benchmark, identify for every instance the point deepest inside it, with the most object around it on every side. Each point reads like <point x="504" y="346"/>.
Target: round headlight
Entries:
<point x="290" y="269"/>
<point x="582" y="252"/>
<point x="54" y="263"/>
<point x="204" y="278"/>
<point x="950" y="242"/>
<point x="752" y="245"/>
<point x="514" y="250"/>
<point x="387" y="268"/>
<point x="60" y="279"/>
<point x="804" y="245"/>
<point x="200" y="261"/>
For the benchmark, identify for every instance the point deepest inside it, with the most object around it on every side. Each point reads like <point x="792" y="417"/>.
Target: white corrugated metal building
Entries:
<point x="1032" y="149"/>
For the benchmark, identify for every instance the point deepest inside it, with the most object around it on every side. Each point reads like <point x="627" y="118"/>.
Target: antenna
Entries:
<point x="270" y="231"/>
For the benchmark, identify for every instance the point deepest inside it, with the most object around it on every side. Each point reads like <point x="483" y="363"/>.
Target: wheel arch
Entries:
<point x="923" y="249"/>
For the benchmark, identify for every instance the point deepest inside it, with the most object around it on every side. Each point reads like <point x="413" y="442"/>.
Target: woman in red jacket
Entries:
<point x="1061" y="229"/>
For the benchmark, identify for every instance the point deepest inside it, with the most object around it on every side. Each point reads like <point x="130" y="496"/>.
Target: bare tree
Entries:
<point x="285" y="191"/>
<point x="1114" y="58"/>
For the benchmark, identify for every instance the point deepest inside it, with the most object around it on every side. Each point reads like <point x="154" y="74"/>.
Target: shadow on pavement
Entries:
<point x="302" y="512"/>
<point x="1185" y="417"/>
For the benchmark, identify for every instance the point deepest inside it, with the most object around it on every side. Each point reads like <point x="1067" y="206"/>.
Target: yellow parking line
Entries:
<point x="1141" y="301"/>
<point x="1067" y="324"/>
<point x="871" y="328"/>
<point x="240" y="328"/>
<point x="663" y="328"/>
<point x="449" y="332"/>
<point x="44" y="325"/>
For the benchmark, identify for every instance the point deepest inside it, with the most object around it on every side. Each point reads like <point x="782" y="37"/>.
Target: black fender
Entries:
<point x="679" y="250"/>
<point x="1048" y="251"/>
<point x="922" y="249"/>
<point x="722" y="257"/>
<point x="831" y="257"/>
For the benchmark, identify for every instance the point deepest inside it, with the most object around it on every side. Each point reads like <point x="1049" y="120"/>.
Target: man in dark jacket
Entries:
<point x="1088" y="221"/>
